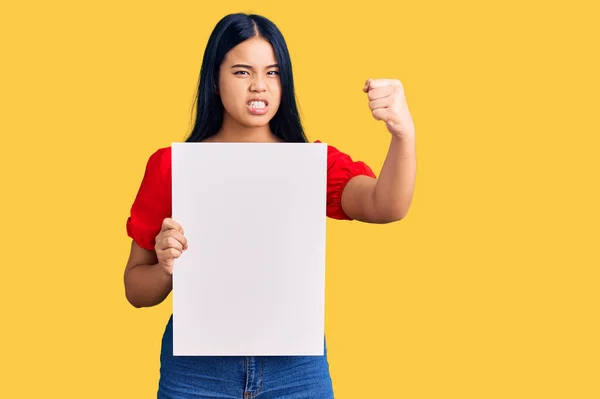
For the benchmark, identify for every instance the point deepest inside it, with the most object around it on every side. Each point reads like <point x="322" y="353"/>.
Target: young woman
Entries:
<point x="246" y="94"/>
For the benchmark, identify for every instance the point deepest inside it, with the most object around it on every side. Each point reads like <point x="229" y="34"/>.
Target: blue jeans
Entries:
<point x="241" y="377"/>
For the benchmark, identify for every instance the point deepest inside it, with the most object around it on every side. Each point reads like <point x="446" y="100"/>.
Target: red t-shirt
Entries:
<point x="153" y="201"/>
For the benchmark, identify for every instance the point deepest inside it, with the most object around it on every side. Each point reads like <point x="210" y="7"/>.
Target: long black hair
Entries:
<point x="228" y="33"/>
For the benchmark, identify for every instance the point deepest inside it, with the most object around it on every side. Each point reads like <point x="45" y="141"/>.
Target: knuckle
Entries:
<point x="172" y="242"/>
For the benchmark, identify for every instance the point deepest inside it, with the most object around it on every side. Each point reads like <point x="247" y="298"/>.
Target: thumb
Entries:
<point x="367" y="85"/>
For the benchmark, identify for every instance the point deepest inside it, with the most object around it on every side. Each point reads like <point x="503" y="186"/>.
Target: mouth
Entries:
<point x="258" y="102"/>
<point x="257" y="107"/>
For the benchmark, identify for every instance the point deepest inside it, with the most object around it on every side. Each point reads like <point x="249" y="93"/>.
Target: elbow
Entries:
<point x="133" y="295"/>
<point x="392" y="218"/>
<point x="138" y="299"/>
<point x="133" y="301"/>
<point x="134" y="298"/>
<point x="136" y="304"/>
<point x="131" y="298"/>
<point x="390" y="209"/>
<point x="393" y="214"/>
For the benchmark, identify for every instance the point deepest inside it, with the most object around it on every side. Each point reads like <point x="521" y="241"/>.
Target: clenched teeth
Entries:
<point x="257" y="104"/>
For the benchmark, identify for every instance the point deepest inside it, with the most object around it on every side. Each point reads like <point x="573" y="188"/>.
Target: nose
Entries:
<point x="258" y="85"/>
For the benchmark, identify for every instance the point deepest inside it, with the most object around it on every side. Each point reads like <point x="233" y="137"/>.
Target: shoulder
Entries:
<point x="161" y="156"/>
<point x="341" y="168"/>
<point x="339" y="162"/>
<point x="333" y="153"/>
<point x="152" y="203"/>
<point x="159" y="162"/>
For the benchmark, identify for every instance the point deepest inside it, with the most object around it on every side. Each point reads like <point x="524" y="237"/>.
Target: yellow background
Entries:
<point x="488" y="289"/>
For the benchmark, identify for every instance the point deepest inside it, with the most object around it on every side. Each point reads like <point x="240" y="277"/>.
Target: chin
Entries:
<point x="258" y="121"/>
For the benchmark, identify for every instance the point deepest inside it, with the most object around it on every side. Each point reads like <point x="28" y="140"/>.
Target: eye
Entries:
<point x="240" y="72"/>
<point x="273" y="73"/>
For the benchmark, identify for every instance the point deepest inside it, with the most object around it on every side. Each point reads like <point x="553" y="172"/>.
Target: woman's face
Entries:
<point x="249" y="84"/>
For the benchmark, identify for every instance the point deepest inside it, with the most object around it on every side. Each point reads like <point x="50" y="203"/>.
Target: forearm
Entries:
<point x="395" y="184"/>
<point x="147" y="285"/>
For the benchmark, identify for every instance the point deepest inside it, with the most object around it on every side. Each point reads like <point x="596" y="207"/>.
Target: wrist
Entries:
<point x="404" y="137"/>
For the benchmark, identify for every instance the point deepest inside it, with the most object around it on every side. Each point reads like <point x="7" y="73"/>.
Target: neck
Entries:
<point x="232" y="131"/>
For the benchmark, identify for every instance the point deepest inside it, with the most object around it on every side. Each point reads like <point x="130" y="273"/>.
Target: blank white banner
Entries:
<point x="252" y="282"/>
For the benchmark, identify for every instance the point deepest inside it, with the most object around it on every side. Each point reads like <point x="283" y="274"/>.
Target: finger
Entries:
<point x="170" y="242"/>
<point x="173" y="238"/>
<point x="168" y="254"/>
<point x="169" y="223"/>
<point x="175" y="253"/>
<point x="381" y="92"/>
<point x="171" y="253"/>
<point x="179" y="237"/>
<point x="381" y="103"/>
<point x="377" y="83"/>
<point x="380" y="114"/>
<point x="366" y="86"/>
<point x="175" y="235"/>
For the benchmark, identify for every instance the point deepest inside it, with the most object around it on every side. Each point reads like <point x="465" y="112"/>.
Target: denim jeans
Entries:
<point x="241" y="377"/>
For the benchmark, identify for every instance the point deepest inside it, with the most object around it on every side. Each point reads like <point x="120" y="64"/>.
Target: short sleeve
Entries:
<point x="152" y="203"/>
<point x="340" y="169"/>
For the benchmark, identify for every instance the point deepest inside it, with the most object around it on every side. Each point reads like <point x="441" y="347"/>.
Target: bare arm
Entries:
<point x="146" y="282"/>
<point x="149" y="274"/>
<point x="388" y="198"/>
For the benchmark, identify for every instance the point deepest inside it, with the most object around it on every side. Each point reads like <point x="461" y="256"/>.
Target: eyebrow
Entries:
<point x="250" y="67"/>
